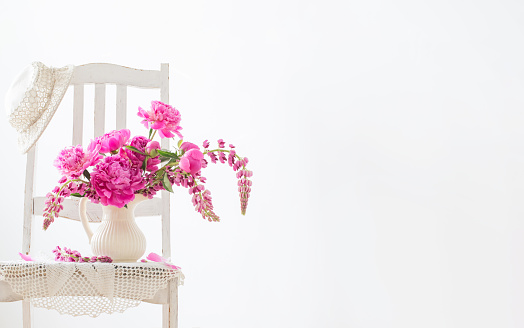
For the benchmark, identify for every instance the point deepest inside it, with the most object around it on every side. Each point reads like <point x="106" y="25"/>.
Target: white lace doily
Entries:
<point x="87" y="288"/>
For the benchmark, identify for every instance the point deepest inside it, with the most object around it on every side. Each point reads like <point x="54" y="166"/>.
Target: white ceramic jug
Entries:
<point x="118" y="236"/>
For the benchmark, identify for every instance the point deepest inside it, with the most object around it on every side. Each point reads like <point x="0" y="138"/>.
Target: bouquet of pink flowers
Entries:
<point x="115" y="167"/>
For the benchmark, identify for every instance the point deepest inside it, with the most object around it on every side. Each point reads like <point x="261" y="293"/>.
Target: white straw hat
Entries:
<point x="33" y="98"/>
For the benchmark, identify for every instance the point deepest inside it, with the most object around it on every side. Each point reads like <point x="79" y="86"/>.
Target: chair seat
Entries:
<point x="69" y="287"/>
<point x="8" y="295"/>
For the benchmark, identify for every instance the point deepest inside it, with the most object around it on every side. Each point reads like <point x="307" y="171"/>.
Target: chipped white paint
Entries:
<point x="121" y="106"/>
<point x="115" y="74"/>
<point x="100" y="109"/>
<point x="28" y="220"/>
<point x="150" y="207"/>
<point x="170" y="310"/>
<point x="78" y="114"/>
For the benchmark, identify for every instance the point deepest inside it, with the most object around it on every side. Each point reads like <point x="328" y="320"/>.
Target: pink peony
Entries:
<point x="73" y="160"/>
<point x="191" y="161"/>
<point x="113" y="140"/>
<point x="115" y="181"/>
<point x="163" y="118"/>
<point x="137" y="159"/>
<point x="152" y="145"/>
<point x="185" y="146"/>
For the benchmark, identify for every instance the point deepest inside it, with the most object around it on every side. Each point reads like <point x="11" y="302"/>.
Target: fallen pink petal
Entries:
<point x="25" y="257"/>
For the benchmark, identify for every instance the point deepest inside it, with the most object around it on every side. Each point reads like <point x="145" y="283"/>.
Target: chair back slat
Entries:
<point x="166" y="205"/>
<point x="115" y="74"/>
<point x="121" y="106"/>
<point x="150" y="207"/>
<point x="78" y="114"/>
<point x="28" y="199"/>
<point x="100" y="109"/>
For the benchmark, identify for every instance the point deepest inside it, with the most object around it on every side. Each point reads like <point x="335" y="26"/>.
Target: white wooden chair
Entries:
<point x="123" y="77"/>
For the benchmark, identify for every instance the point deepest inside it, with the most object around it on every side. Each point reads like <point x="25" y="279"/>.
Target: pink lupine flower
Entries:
<point x="231" y="157"/>
<point x="69" y="255"/>
<point x="204" y="206"/>
<point x="221" y="143"/>
<point x="163" y="118"/>
<point x="181" y="178"/>
<point x="137" y="159"/>
<point x="205" y="144"/>
<point x="212" y="156"/>
<point x="244" y="188"/>
<point x="73" y="160"/>
<point x="185" y="146"/>
<point x="53" y="206"/>
<point x="191" y="161"/>
<point x="222" y="157"/>
<point x="112" y="141"/>
<point x="115" y="181"/>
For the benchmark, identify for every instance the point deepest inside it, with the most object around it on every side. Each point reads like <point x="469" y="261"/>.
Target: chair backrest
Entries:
<point x="100" y="75"/>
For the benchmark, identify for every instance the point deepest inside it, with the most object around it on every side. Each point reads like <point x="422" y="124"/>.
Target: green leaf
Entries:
<point x="134" y="149"/>
<point x="160" y="172"/>
<point x="180" y="142"/>
<point x="166" y="183"/>
<point x="166" y="153"/>
<point x="87" y="175"/>
<point x="76" y="195"/>
<point x="144" y="164"/>
<point x="150" y="133"/>
<point x="164" y="159"/>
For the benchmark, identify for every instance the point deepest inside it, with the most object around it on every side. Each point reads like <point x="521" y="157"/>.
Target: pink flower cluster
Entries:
<point x="163" y="118"/>
<point x="137" y="159"/>
<point x="53" y="203"/>
<point x="68" y="255"/>
<point x="191" y="161"/>
<point x="115" y="167"/>
<point x="203" y="205"/>
<point x="73" y="160"/>
<point x="201" y="198"/>
<point x="236" y="162"/>
<point x="115" y="180"/>
<point x="244" y="188"/>
<point x="112" y="141"/>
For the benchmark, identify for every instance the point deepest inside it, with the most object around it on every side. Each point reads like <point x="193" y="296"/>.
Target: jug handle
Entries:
<point x="82" y="209"/>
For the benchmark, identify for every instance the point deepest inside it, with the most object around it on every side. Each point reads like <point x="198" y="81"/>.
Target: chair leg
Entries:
<point x="173" y="304"/>
<point x="26" y="311"/>
<point x="170" y="310"/>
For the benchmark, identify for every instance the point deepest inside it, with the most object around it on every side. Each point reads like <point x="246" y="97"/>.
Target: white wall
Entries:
<point x="385" y="138"/>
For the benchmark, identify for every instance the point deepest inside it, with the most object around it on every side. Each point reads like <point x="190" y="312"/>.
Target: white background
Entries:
<point x="385" y="139"/>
